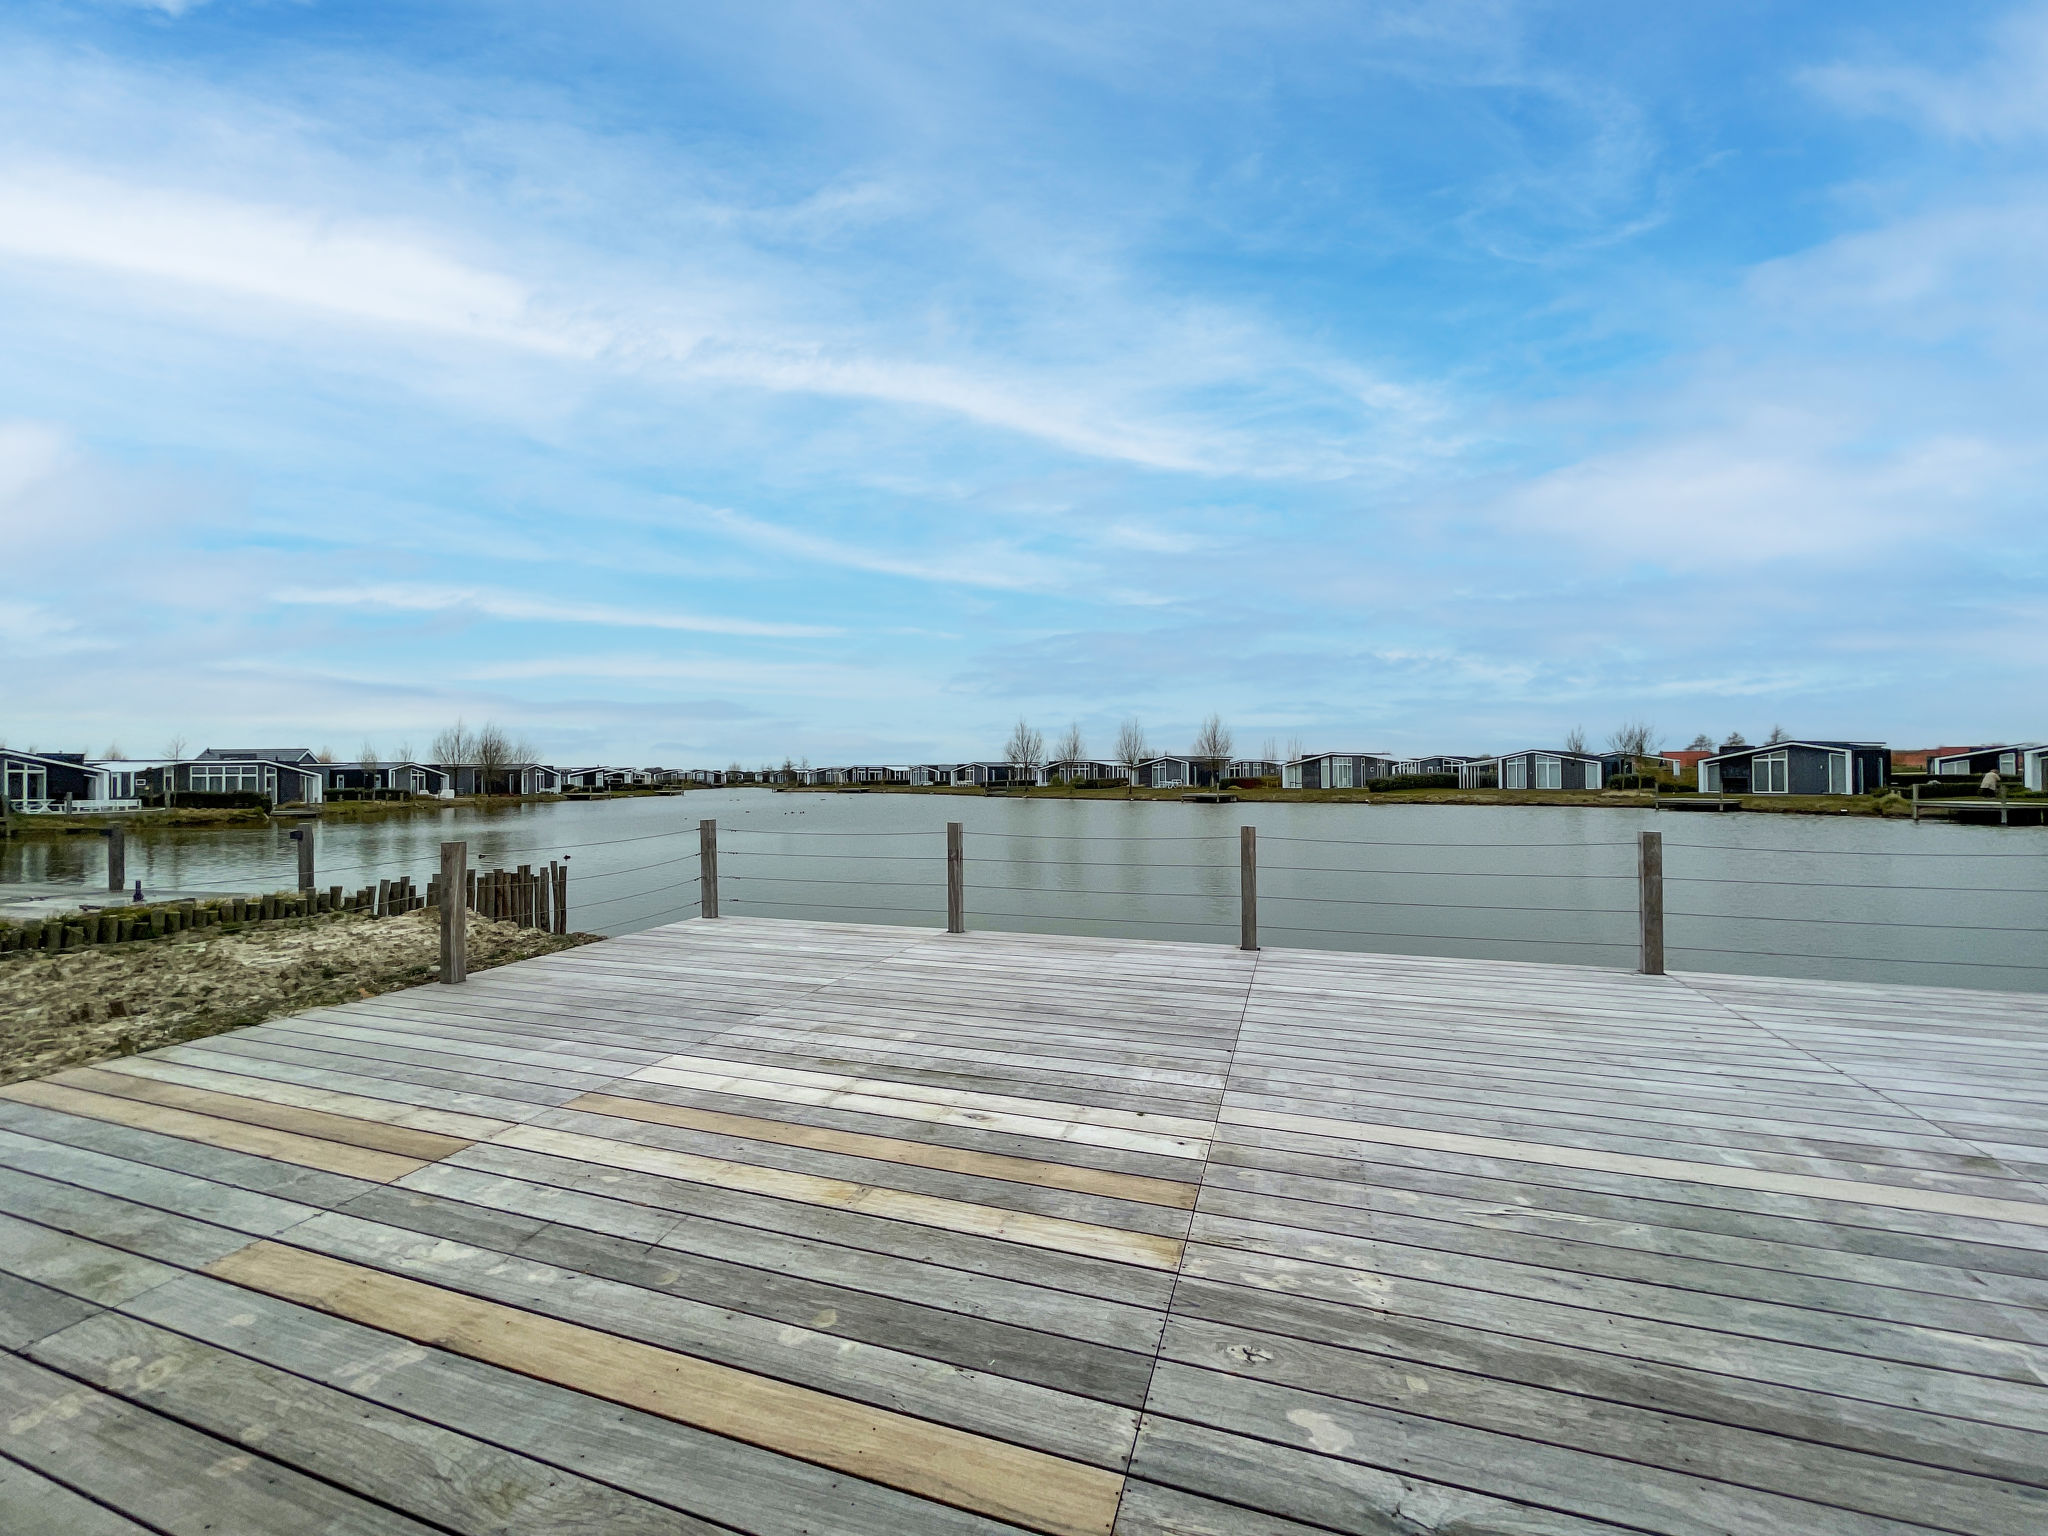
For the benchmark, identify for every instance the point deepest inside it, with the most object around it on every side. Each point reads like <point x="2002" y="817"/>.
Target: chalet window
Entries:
<point x="1343" y="777"/>
<point x="1290" y="776"/>
<point x="1549" y="773"/>
<point x="1514" y="773"/>
<point x="1767" y="774"/>
<point x="1955" y="767"/>
<point x="2008" y="763"/>
<point x="226" y="778"/>
<point x="1838" y="773"/>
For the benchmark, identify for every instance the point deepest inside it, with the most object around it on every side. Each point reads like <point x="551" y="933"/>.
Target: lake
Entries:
<point x="1842" y="897"/>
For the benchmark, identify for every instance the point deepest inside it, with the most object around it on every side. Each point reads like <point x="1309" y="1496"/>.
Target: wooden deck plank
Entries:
<point x="782" y="1227"/>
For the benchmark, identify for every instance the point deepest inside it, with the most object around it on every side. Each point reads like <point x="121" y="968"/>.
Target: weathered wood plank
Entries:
<point x="1009" y="1482"/>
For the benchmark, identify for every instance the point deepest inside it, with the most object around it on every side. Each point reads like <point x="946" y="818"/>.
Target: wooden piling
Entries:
<point x="1650" y="899"/>
<point x="956" y="877"/>
<point x="1248" y="887"/>
<point x="454" y="915"/>
<point x="707" y="867"/>
<point x="117" y="858"/>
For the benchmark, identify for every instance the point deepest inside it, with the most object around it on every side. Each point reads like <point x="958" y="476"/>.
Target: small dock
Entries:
<point x="779" y="1228"/>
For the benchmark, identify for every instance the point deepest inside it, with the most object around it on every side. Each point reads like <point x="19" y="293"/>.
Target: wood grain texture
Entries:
<point x="787" y="1228"/>
<point x="1037" y="1491"/>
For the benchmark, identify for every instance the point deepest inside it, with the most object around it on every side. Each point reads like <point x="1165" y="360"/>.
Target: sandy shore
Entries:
<point x="64" y="1010"/>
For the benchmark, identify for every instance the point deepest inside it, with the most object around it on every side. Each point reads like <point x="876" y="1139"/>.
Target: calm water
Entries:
<point x="1848" y="898"/>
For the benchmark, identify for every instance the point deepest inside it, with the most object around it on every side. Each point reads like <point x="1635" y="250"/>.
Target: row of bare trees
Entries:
<point x="1213" y="746"/>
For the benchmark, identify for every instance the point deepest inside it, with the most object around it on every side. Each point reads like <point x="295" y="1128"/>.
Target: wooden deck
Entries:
<point x="808" y="1228"/>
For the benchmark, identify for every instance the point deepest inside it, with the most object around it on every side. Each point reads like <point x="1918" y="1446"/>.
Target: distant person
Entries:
<point x="1990" y="784"/>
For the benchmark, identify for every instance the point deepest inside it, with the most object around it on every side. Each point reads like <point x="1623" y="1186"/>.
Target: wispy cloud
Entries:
<point x="479" y="603"/>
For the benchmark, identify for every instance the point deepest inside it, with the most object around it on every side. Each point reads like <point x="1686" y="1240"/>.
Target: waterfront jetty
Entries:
<point x="768" y="1226"/>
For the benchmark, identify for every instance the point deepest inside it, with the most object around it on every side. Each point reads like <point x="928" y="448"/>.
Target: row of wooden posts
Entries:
<point x="1649" y="885"/>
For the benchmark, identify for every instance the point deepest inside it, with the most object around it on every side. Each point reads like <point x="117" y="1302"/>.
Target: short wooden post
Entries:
<point x="383" y="907"/>
<point x="454" y="915"/>
<point x="117" y="858"/>
<point x="1247" y="887"/>
<point x="707" y="868"/>
<point x="1916" y="801"/>
<point x="561" y="895"/>
<point x="523" y="898"/>
<point x="1650" y="888"/>
<point x="956" y="877"/>
<point x="2002" y="812"/>
<point x="303" y="836"/>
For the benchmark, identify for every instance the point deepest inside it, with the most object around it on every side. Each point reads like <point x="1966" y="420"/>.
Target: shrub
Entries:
<point x="1413" y="781"/>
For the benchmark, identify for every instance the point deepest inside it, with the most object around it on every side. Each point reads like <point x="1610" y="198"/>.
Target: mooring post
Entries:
<point x="303" y="836"/>
<point x="956" y="877"/>
<point x="562" y="893"/>
<point x="707" y="867"/>
<point x="454" y="913"/>
<point x="1248" y="887"/>
<point x="117" y="858"/>
<point x="1650" y="885"/>
<point x="1916" y="801"/>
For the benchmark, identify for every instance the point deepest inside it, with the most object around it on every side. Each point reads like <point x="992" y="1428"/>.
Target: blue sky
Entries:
<point x="682" y="384"/>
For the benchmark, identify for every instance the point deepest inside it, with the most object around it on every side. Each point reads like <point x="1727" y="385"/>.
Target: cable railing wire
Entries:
<point x="1851" y="922"/>
<point x="1776" y="954"/>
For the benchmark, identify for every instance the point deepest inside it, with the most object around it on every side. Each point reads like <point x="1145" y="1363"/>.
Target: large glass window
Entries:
<point x="1549" y="773"/>
<point x="1767" y="774"/>
<point x="1838" y="773"/>
<point x="1343" y="767"/>
<point x="226" y="778"/>
<point x="1514" y="773"/>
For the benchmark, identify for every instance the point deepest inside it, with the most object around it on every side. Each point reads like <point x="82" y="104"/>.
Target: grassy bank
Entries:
<point x="66" y="1009"/>
<point x="56" y="825"/>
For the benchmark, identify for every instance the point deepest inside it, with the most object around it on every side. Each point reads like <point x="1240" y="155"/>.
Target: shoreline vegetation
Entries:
<point x="70" y="1007"/>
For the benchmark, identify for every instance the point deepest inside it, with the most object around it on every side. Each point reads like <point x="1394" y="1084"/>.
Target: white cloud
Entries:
<point x="2003" y="98"/>
<point x="278" y="254"/>
<point x="479" y="602"/>
<point x="30" y="453"/>
<point x="1000" y="566"/>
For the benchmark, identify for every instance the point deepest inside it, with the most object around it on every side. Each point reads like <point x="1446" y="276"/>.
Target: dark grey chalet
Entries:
<point x="1798" y="768"/>
<point x="2014" y="760"/>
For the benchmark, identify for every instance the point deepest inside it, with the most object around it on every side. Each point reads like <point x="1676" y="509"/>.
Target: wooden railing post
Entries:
<point x="303" y="836"/>
<point x="1650" y="898"/>
<point x="1248" y="887"/>
<point x="561" y="873"/>
<point x="117" y="858"/>
<point x="707" y="867"/>
<point x="956" y="877"/>
<point x="454" y="913"/>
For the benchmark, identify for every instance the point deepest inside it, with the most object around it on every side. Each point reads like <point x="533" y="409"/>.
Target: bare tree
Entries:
<point x="1131" y="748"/>
<point x="174" y="749"/>
<point x="1701" y="743"/>
<point x="496" y="752"/>
<point x="1212" y="746"/>
<point x="404" y="751"/>
<point x="366" y="754"/>
<point x="1777" y="735"/>
<point x="1294" y="748"/>
<point x="1072" y="747"/>
<point x="1575" y="739"/>
<point x="1026" y="746"/>
<point x="1734" y="742"/>
<point x="1270" y="752"/>
<point x="454" y="747"/>
<point x="324" y="755"/>
<point x="1635" y="738"/>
